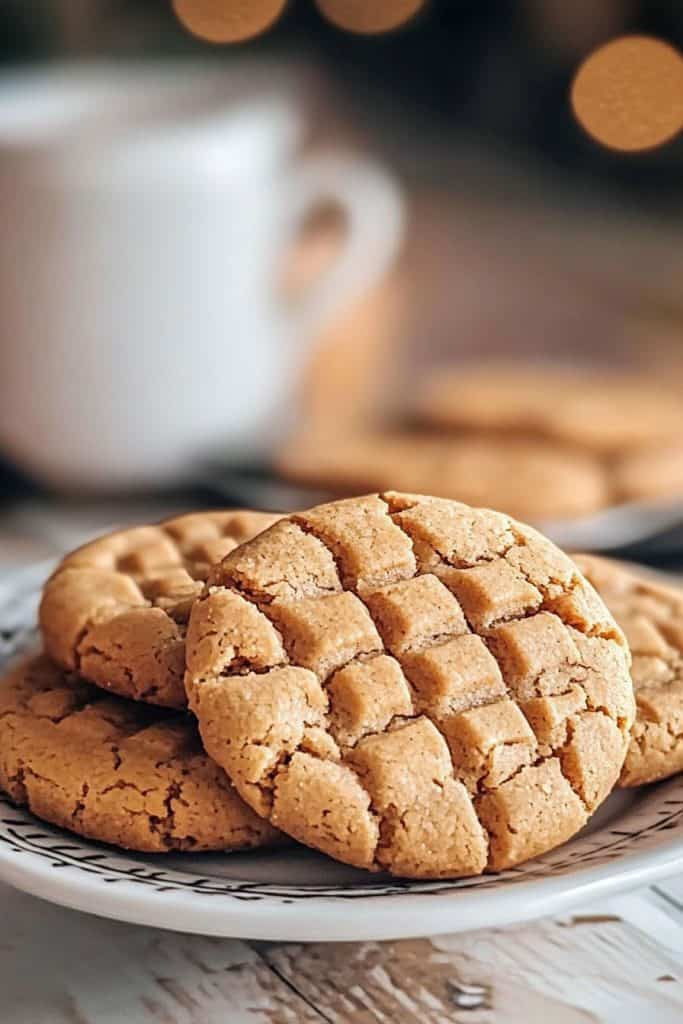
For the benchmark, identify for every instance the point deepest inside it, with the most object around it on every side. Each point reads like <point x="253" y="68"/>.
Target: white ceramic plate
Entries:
<point x="294" y="894"/>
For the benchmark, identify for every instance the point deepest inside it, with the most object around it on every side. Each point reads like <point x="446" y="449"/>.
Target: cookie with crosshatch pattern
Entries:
<point x="411" y="684"/>
<point x="116" y="609"/>
<point x="651" y="616"/>
<point x="113" y="770"/>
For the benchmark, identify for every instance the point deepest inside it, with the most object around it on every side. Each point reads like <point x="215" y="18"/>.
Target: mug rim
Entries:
<point x="223" y="138"/>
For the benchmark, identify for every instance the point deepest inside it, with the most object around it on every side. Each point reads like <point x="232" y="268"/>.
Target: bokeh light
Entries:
<point x="369" y="17"/>
<point x="228" y="21"/>
<point x="628" y="94"/>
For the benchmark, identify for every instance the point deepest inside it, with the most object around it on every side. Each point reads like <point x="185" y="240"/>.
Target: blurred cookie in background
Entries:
<point x="530" y="479"/>
<point x="631" y="424"/>
<point x="540" y="443"/>
<point x="601" y="412"/>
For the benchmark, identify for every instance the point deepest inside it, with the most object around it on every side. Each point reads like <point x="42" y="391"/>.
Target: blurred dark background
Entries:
<point x="495" y="71"/>
<point x="525" y="237"/>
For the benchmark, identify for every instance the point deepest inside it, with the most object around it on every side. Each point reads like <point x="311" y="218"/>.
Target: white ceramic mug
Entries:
<point x="141" y="327"/>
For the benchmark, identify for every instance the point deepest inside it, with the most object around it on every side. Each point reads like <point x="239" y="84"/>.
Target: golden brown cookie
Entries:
<point x="411" y="684"/>
<point x="535" y="480"/>
<point x="113" y="770"/>
<point x="605" y="413"/>
<point x="651" y="616"/>
<point x="116" y="609"/>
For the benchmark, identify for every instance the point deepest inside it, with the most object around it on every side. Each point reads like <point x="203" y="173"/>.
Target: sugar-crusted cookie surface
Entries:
<point x="412" y="684"/>
<point x="651" y="616"/>
<point x="116" y="609"/>
<point x="532" y="479"/>
<point x="113" y="770"/>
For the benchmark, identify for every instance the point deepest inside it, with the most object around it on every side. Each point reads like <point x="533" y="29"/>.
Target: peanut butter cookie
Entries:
<point x="651" y="616"/>
<point x="411" y="684"/>
<point x="113" y="770"/>
<point x="116" y="609"/>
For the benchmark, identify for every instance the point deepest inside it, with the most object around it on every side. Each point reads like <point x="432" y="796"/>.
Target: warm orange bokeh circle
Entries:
<point x="228" y="21"/>
<point x="234" y="21"/>
<point x="369" y="17"/>
<point x="628" y="94"/>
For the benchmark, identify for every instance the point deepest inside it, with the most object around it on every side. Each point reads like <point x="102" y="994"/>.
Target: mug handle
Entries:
<point x="373" y="206"/>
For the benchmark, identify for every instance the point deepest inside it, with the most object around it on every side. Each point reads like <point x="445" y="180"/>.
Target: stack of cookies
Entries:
<point x="403" y="683"/>
<point x="94" y="733"/>
<point x="539" y="443"/>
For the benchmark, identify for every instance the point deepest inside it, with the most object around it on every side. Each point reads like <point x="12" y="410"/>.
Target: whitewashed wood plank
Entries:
<point x="585" y="968"/>
<point x="414" y="982"/>
<point x="596" y="962"/>
<point x="61" y="967"/>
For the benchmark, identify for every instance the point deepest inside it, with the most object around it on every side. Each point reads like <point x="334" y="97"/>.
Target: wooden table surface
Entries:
<point x="620" y="961"/>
